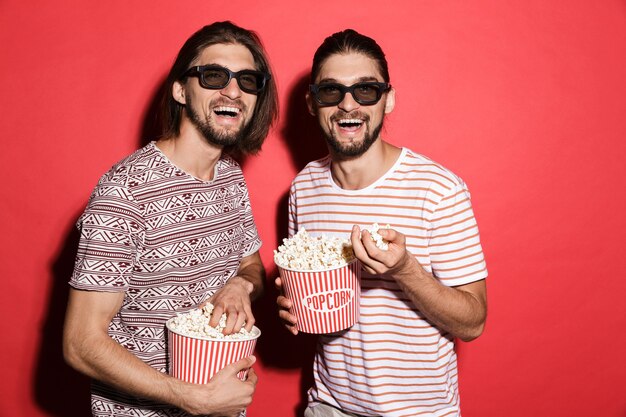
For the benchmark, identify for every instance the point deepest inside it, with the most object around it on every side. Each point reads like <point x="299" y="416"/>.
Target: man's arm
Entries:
<point x="460" y="311"/>
<point x="89" y="349"/>
<point x="235" y="298"/>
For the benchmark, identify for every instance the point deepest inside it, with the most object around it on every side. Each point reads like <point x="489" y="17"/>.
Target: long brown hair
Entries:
<point x="266" y="108"/>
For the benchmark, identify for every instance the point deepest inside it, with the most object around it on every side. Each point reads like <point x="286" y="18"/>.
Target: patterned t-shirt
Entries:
<point x="168" y="241"/>
<point x="393" y="362"/>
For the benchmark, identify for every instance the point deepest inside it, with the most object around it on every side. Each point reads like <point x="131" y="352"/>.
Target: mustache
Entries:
<point x="227" y="102"/>
<point x="340" y="114"/>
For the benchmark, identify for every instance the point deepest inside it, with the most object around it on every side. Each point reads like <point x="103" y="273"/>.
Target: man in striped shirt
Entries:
<point x="427" y="289"/>
<point x="170" y="227"/>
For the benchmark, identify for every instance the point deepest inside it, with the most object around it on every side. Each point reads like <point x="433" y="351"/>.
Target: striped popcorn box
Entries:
<point x="196" y="360"/>
<point x="324" y="301"/>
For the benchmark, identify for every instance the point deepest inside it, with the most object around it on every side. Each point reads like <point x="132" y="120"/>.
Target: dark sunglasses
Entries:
<point x="331" y="94"/>
<point x="215" y="77"/>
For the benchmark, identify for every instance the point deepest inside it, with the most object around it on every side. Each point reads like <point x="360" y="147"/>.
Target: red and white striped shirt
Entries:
<point x="393" y="362"/>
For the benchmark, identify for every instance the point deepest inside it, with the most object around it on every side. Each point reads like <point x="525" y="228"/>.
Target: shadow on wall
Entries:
<point x="285" y="351"/>
<point x="301" y="132"/>
<point x="151" y="125"/>
<point x="59" y="389"/>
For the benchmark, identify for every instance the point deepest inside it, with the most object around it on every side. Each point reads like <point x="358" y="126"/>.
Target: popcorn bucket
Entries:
<point x="324" y="301"/>
<point x="196" y="360"/>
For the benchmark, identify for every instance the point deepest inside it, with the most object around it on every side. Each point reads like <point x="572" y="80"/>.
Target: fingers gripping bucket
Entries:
<point x="324" y="301"/>
<point x="196" y="360"/>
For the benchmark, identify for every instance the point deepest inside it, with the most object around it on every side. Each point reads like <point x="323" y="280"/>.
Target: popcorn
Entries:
<point x="303" y="252"/>
<point x="377" y="238"/>
<point x="195" y="323"/>
<point x="307" y="253"/>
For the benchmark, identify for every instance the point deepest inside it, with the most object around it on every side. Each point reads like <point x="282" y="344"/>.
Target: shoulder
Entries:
<point x="419" y="166"/>
<point x="314" y="169"/>
<point x="119" y="183"/>
<point x="132" y="169"/>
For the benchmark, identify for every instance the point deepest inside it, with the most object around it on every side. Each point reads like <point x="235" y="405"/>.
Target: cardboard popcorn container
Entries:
<point x="196" y="360"/>
<point x="324" y="301"/>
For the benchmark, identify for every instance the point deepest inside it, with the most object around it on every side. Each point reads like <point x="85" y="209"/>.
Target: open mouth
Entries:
<point x="350" y="124"/>
<point x="226" y="111"/>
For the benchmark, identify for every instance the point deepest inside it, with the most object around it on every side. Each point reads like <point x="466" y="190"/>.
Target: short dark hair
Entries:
<point x="266" y="108"/>
<point x="345" y="42"/>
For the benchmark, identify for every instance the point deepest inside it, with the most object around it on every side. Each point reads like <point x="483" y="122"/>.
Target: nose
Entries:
<point x="348" y="103"/>
<point x="231" y="90"/>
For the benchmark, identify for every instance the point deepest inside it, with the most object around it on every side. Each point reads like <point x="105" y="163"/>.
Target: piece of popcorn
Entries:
<point x="195" y="323"/>
<point x="377" y="238"/>
<point x="307" y="253"/>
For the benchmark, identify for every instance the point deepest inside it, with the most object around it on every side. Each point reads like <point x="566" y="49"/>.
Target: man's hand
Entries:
<point x="224" y="395"/>
<point x="89" y="349"/>
<point x="284" y="304"/>
<point x="378" y="261"/>
<point x="234" y="300"/>
<point x="460" y="311"/>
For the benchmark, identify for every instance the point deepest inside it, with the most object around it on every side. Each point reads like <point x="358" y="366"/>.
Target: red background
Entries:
<point x="526" y="101"/>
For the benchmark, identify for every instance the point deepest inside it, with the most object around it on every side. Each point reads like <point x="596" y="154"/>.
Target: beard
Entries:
<point x="214" y="134"/>
<point x="353" y="149"/>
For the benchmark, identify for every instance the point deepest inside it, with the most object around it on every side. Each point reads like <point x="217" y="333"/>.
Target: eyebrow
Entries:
<point x="335" y="81"/>
<point x="212" y="64"/>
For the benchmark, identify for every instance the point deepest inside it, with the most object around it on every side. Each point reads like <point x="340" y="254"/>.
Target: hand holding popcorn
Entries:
<point x="321" y="282"/>
<point x="380" y="242"/>
<point x="195" y="323"/>
<point x="197" y="351"/>
<point x="233" y="300"/>
<point x="376" y="260"/>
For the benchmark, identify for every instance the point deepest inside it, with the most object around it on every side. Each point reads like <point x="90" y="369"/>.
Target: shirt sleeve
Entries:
<point x="111" y="230"/>
<point x="455" y="250"/>
<point x="252" y="241"/>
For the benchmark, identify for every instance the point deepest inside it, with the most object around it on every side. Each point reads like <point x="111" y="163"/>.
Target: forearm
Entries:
<point x="460" y="311"/>
<point x="101" y="358"/>
<point x="104" y="359"/>
<point x="253" y="273"/>
<point x="88" y="348"/>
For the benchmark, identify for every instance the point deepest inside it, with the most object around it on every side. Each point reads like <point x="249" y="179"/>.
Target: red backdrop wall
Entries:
<point x="524" y="100"/>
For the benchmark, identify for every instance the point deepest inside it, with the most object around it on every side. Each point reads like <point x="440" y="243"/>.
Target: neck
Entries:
<point x="363" y="170"/>
<point x="191" y="152"/>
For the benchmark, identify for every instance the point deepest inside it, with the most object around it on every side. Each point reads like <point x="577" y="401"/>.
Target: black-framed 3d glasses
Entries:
<point x="216" y="77"/>
<point x="365" y="93"/>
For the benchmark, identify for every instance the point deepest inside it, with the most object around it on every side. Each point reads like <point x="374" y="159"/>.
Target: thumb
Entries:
<point x="242" y="364"/>
<point x="392" y="235"/>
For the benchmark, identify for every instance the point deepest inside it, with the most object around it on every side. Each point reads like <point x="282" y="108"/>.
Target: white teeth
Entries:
<point x="227" y="109"/>
<point x="350" y="121"/>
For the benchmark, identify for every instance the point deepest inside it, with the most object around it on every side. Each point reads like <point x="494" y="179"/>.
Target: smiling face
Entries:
<point x="221" y="116"/>
<point x="349" y="127"/>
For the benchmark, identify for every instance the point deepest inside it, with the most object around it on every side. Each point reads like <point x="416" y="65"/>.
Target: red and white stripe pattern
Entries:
<point x="393" y="361"/>
<point x="324" y="301"/>
<point x="197" y="360"/>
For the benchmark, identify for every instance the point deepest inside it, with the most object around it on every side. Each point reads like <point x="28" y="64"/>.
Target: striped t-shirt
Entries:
<point x="393" y="362"/>
<point x="168" y="241"/>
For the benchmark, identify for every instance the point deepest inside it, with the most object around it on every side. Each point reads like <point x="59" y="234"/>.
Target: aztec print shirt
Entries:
<point x="168" y="241"/>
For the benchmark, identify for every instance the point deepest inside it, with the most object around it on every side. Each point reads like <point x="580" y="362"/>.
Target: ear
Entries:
<point x="390" y="102"/>
<point x="178" y="92"/>
<point x="310" y="104"/>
